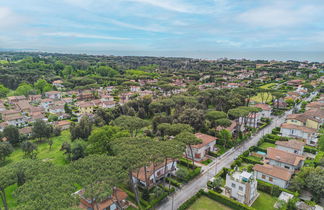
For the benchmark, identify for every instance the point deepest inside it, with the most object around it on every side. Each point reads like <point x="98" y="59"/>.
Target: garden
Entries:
<point x="264" y="201"/>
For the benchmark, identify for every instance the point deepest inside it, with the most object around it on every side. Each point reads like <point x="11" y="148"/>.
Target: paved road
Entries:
<point x="188" y="190"/>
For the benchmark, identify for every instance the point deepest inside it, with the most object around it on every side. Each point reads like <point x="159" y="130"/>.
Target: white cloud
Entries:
<point x="277" y="15"/>
<point x="80" y="35"/>
<point x="8" y="18"/>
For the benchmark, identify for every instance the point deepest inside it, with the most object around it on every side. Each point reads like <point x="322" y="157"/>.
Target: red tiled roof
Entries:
<point x="298" y="127"/>
<point x="206" y="139"/>
<point x="264" y="107"/>
<point x="294" y="144"/>
<point x="284" y="157"/>
<point x="275" y="171"/>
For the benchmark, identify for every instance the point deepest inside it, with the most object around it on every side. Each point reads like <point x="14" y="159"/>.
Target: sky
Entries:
<point x="253" y="29"/>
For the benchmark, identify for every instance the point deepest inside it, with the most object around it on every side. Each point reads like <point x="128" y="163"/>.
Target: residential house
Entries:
<point x="108" y="104"/>
<point x="242" y="186"/>
<point x="304" y="119"/>
<point x="58" y="84"/>
<point x="23" y="106"/>
<point x="314" y="105"/>
<point x="231" y="128"/>
<point x="85" y="107"/>
<point x="2" y="107"/>
<point x="86" y="95"/>
<point x="154" y="173"/>
<point x="16" y="120"/>
<point x="266" y="110"/>
<point x="56" y="108"/>
<point x="3" y="125"/>
<point x="296" y="82"/>
<point x="201" y="150"/>
<point x="35" y="98"/>
<point x="27" y="131"/>
<point x="63" y="125"/>
<point x="297" y="131"/>
<point x="107" y="98"/>
<point x="45" y="103"/>
<point x="135" y="88"/>
<point x="15" y="99"/>
<point x="292" y="146"/>
<point x="55" y="95"/>
<point x="284" y="159"/>
<point x="113" y="202"/>
<point x="273" y="174"/>
<point x="37" y="116"/>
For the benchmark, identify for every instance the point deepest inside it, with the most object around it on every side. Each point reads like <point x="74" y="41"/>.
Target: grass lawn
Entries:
<point x="264" y="202"/>
<point x="206" y="162"/>
<point x="205" y="203"/>
<point x="268" y="86"/>
<point x="44" y="153"/>
<point x="10" y="200"/>
<point x="265" y="145"/>
<point x="258" y="97"/>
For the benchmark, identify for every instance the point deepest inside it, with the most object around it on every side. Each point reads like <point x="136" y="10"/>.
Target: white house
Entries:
<point x="108" y="104"/>
<point x="135" y="88"/>
<point x="284" y="159"/>
<point x="16" y="120"/>
<point x="154" y="174"/>
<point x="292" y="146"/>
<point x="298" y="131"/>
<point x="266" y="110"/>
<point x="273" y="174"/>
<point x="53" y="95"/>
<point x="58" y="84"/>
<point x="200" y="151"/>
<point x="242" y="186"/>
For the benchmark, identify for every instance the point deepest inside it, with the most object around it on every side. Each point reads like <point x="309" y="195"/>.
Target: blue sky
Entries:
<point x="279" y="29"/>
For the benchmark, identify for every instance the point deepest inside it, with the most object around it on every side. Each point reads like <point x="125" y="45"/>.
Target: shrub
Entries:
<point x="206" y="162"/>
<point x="310" y="149"/>
<point x="213" y="154"/>
<point x="271" y="189"/>
<point x="227" y="201"/>
<point x="185" y="162"/>
<point x="251" y="160"/>
<point x="173" y="182"/>
<point x="246" y="153"/>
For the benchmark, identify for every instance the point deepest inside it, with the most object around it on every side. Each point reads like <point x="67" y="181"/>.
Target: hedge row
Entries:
<point x="213" y="154"/>
<point x="173" y="182"/>
<point x="187" y="163"/>
<point x="310" y="149"/>
<point x="193" y="199"/>
<point x="272" y="189"/>
<point x="227" y="201"/>
<point x="252" y="161"/>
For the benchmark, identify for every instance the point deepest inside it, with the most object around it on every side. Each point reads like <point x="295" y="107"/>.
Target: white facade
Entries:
<point x="285" y="165"/>
<point x="309" y="137"/>
<point x="200" y="153"/>
<point x="291" y="150"/>
<point x="271" y="179"/>
<point x="242" y="186"/>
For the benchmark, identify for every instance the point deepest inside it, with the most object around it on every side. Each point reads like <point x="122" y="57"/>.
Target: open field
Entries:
<point x="205" y="203"/>
<point x="53" y="155"/>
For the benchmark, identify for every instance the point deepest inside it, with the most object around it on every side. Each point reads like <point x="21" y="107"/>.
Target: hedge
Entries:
<point x="132" y="196"/>
<point x="318" y="158"/>
<point x="191" y="200"/>
<point x="272" y="189"/>
<point x="173" y="182"/>
<point x="227" y="201"/>
<point x="310" y="149"/>
<point x="213" y="154"/>
<point x="250" y="160"/>
<point x="187" y="163"/>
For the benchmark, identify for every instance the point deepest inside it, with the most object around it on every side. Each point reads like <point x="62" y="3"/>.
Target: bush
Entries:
<point x="251" y="160"/>
<point x="227" y="201"/>
<point x="191" y="200"/>
<point x="271" y="189"/>
<point x="213" y="154"/>
<point x="188" y="175"/>
<point x="310" y="149"/>
<point x="246" y="153"/>
<point x="206" y="162"/>
<point x="186" y="163"/>
<point x="173" y="182"/>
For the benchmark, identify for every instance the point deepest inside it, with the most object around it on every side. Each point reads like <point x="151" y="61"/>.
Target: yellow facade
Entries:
<point x="312" y="124"/>
<point x="295" y="122"/>
<point x="86" y="110"/>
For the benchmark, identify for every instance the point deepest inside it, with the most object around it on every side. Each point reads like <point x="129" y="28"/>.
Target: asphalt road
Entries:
<point x="200" y="182"/>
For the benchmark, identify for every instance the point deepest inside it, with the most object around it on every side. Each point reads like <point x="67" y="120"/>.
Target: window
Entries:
<point x="263" y="176"/>
<point x="270" y="179"/>
<point x="240" y="188"/>
<point x="233" y="185"/>
<point x="287" y="167"/>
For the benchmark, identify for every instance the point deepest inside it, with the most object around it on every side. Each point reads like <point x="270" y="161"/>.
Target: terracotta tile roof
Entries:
<point x="284" y="157"/>
<point x="294" y="144"/>
<point x="275" y="171"/>
<point x="206" y="139"/>
<point x="264" y="107"/>
<point x="316" y="105"/>
<point x="302" y="117"/>
<point x="317" y="113"/>
<point x="25" y="130"/>
<point x="229" y="128"/>
<point x="298" y="127"/>
<point x="140" y="174"/>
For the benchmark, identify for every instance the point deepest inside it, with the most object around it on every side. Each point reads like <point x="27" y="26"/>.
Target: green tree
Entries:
<point x="24" y="89"/>
<point x="173" y="129"/>
<point x="212" y="116"/>
<point x="42" y="86"/>
<point x="41" y="130"/>
<point x="3" y="91"/>
<point x="11" y="133"/>
<point x="82" y="129"/>
<point x="225" y="136"/>
<point x="130" y="123"/>
<point x="5" y="150"/>
<point x="188" y="139"/>
<point x="193" y="117"/>
<point x="100" y="140"/>
<point x="29" y="149"/>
